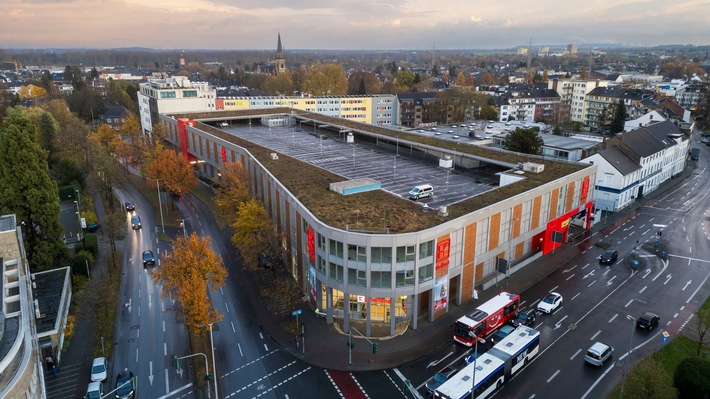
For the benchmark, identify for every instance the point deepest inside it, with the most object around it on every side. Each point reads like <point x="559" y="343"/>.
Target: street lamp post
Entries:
<point x="160" y="205"/>
<point x="184" y="228"/>
<point x="214" y="367"/>
<point x="475" y="354"/>
<point x="628" y="355"/>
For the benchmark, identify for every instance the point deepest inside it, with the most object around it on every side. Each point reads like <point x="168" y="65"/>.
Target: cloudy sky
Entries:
<point x="351" y="25"/>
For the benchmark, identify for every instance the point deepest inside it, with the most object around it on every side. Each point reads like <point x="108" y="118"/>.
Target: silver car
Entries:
<point x="598" y="353"/>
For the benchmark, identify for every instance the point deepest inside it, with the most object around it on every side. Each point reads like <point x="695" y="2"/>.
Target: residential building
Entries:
<point x="376" y="109"/>
<point x="636" y="101"/>
<point x="527" y="103"/>
<point x="21" y="372"/>
<point x="643" y="120"/>
<point x="172" y="95"/>
<point x="573" y="93"/>
<point x="386" y="271"/>
<point x="414" y="109"/>
<point x="688" y="96"/>
<point x="636" y="162"/>
<point x="115" y="116"/>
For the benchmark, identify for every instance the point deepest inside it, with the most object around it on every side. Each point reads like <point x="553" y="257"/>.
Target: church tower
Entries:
<point x="280" y="58"/>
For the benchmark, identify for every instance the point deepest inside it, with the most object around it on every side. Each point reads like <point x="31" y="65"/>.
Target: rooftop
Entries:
<point x="376" y="210"/>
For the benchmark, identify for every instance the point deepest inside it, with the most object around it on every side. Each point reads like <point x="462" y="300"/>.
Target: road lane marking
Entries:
<point x="613" y="317"/>
<point x="575" y="354"/>
<point x="595" y="335"/>
<point x="553" y="376"/>
<point x="575" y="296"/>
<point x="628" y="303"/>
<point x="643" y="289"/>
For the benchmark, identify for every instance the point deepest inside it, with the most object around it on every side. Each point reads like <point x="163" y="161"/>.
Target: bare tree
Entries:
<point x="700" y="329"/>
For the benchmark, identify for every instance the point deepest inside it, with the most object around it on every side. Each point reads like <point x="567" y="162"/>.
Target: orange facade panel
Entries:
<point x="570" y="197"/>
<point x="535" y="217"/>
<point x="494" y="232"/>
<point x="469" y="255"/>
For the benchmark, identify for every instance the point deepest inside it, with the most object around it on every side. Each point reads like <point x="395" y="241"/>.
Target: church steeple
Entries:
<point x="280" y="58"/>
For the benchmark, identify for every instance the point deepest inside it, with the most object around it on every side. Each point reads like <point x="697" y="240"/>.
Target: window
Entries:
<point x="336" y="249"/>
<point x="381" y="279"/>
<point x="357" y="253"/>
<point x="336" y="272"/>
<point x="381" y="255"/>
<point x="357" y="277"/>
<point x="189" y="93"/>
<point x="167" y="94"/>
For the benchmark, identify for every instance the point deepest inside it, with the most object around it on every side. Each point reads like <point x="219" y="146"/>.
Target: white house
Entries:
<point x="643" y="120"/>
<point x="637" y="162"/>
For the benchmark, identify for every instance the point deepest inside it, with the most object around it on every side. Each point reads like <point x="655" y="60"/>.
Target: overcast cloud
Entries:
<point x="350" y="25"/>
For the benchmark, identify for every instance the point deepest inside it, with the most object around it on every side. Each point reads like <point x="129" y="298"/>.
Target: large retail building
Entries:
<point x="364" y="254"/>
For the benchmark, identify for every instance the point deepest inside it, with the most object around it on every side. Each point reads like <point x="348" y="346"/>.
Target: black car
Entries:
<point x="93" y="227"/>
<point x="130" y="206"/>
<point x="148" y="258"/>
<point x="525" y="318"/>
<point x="609" y="256"/>
<point x="136" y="222"/>
<point x="125" y="385"/>
<point x="647" y="321"/>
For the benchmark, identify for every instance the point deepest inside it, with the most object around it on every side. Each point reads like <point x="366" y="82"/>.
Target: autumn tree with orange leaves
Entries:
<point x="186" y="273"/>
<point x="232" y="192"/>
<point x="174" y="171"/>
<point x="253" y="233"/>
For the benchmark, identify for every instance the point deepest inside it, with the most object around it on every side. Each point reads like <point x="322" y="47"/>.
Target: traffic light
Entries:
<point x="374" y="347"/>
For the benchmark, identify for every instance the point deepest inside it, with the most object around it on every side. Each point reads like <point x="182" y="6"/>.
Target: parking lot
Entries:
<point x="397" y="168"/>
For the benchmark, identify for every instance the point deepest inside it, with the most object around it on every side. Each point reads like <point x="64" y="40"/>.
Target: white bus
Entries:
<point x="489" y="375"/>
<point x="517" y="348"/>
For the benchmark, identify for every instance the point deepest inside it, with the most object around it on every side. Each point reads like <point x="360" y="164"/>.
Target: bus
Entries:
<point x="489" y="376"/>
<point x="486" y="318"/>
<point x="517" y="349"/>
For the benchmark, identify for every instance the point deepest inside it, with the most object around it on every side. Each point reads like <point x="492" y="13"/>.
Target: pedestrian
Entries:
<point x="50" y="362"/>
<point x="54" y="371"/>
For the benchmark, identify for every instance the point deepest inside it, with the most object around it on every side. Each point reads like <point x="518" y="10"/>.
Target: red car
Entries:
<point x="130" y="207"/>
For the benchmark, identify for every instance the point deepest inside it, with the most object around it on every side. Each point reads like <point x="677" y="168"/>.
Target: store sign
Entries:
<point x="311" y="244"/>
<point x="585" y="190"/>
<point x="442" y="253"/>
<point x="224" y="155"/>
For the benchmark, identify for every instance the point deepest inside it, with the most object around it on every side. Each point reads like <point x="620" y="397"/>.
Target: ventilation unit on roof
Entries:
<point x="533" y="167"/>
<point x="274" y="155"/>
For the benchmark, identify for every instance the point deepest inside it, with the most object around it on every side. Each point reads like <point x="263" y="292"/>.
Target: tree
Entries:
<point x="326" y="79"/>
<point x="649" y="380"/>
<point x="702" y="108"/>
<point x="404" y="80"/>
<point x="545" y="77"/>
<point x="174" y="170"/>
<point x="700" y="329"/>
<point x="370" y="80"/>
<point x="106" y="137"/>
<point x="187" y="272"/>
<point x="617" y="122"/>
<point x="488" y="78"/>
<point x="362" y="90"/>
<point x="27" y="191"/>
<point x="253" y="232"/>
<point x="233" y="191"/>
<point x="691" y="380"/>
<point x="460" y="79"/>
<point x="280" y="84"/>
<point x="526" y="141"/>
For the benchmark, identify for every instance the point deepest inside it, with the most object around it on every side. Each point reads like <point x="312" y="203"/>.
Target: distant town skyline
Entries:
<point x="362" y="25"/>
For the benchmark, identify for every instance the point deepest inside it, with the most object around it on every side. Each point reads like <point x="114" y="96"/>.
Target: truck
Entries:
<point x="695" y="154"/>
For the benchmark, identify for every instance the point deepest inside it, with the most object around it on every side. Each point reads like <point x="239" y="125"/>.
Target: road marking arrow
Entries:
<point x="150" y="377"/>
<point x="588" y="274"/>
<point x="434" y="363"/>
<point x="128" y="305"/>
<point x="559" y="323"/>
<point x="668" y="278"/>
<point x="646" y="273"/>
<point x="687" y="284"/>
<point x="569" y="270"/>
<point x="608" y="283"/>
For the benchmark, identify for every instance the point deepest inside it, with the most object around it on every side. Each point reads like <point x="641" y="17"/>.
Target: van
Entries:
<point x="421" y="191"/>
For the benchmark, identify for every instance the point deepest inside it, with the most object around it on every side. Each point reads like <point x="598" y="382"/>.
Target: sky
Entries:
<point x="349" y="25"/>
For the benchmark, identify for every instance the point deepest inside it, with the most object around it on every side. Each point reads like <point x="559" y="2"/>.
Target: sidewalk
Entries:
<point x="326" y="347"/>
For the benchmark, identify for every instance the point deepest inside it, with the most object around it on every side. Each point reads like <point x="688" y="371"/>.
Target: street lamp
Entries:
<point x="475" y="354"/>
<point x="78" y="216"/>
<point x="628" y="355"/>
<point x="214" y="368"/>
<point x="160" y="205"/>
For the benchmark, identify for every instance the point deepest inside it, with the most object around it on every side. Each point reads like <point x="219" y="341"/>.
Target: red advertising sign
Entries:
<point x="585" y="190"/>
<point x="442" y="253"/>
<point x="224" y="155"/>
<point x="311" y="245"/>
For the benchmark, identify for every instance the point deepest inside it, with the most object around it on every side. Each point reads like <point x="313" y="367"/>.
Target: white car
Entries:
<point x="99" y="369"/>
<point x="550" y="303"/>
<point x="95" y="390"/>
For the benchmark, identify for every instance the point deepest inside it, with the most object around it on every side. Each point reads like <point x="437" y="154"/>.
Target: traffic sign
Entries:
<point x="296" y="312"/>
<point x="665" y="336"/>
